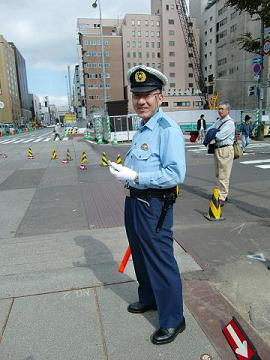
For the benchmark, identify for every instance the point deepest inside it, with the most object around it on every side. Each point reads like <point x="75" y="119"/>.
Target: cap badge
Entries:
<point x="144" y="147"/>
<point x="140" y="76"/>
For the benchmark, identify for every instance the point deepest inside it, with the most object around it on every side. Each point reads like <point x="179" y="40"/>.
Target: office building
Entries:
<point x="90" y="47"/>
<point x="9" y="92"/>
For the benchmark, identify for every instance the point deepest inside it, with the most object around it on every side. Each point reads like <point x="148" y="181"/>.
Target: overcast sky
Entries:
<point x="44" y="33"/>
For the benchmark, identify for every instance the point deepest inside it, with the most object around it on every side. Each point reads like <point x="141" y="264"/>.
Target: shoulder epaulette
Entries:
<point x="164" y="123"/>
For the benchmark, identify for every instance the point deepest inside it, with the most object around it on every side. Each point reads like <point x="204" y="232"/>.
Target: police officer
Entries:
<point x="154" y="165"/>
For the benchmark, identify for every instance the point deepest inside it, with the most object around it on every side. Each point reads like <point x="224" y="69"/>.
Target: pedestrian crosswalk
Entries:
<point x="258" y="163"/>
<point x="28" y="139"/>
<point x="253" y="149"/>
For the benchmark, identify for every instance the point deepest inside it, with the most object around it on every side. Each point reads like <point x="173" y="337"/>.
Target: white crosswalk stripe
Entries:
<point x="257" y="163"/>
<point x="34" y="139"/>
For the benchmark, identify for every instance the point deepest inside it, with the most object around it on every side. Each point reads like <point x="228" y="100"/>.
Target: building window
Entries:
<point x="133" y="43"/>
<point x="233" y="28"/>
<point x="165" y="104"/>
<point x="139" y="22"/>
<point x="172" y="64"/>
<point x="222" y="61"/>
<point x="172" y="75"/>
<point x="190" y="75"/>
<point x="147" y="33"/>
<point x="211" y="18"/>
<point x="146" y="23"/>
<point x="152" y="22"/>
<point x="128" y="54"/>
<point x="134" y="54"/>
<point x="139" y="33"/>
<point x="172" y="85"/>
<point x="152" y="33"/>
<point x="153" y="45"/>
<point x="171" y="21"/>
<point x="133" y="22"/>
<point x="158" y="23"/>
<point x="167" y="7"/>
<point x="147" y="55"/>
<point x="182" y="103"/>
<point x="171" y="43"/>
<point x="139" y="54"/>
<point x="153" y="55"/>
<point x="158" y="45"/>
<point x="211" y="29"/>
<point x="129" y="65"/>
<point x="128" y="44"/>
<point x="171" y="32"/>
<point x="158" y="54"/>
<point x="139" y="44"/>
<point x="147" y="44"/>
<point x="133" y="33"/>
<point x="158" y="33"/>
<point x="190" y="65"/>
<point x="171" y="53"/>
<point x="153" y="65"/>
<point x="190" y="85"/>
<point x="172" y="7"/>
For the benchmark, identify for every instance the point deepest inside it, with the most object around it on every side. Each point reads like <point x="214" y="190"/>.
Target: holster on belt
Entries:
<point x="168" y="201"/>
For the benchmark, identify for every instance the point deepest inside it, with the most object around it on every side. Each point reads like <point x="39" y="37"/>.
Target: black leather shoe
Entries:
<point x="138" y="308"/>
<point x="167" y="335"/>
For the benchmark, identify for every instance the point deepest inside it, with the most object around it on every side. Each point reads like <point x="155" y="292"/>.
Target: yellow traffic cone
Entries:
<point x="119" y="160"/>
<point x="54" y="155"/>
<point x="69" y="158"/>
<point x="30" y="154"/>
<point x="84" y="159"/>
<point x="214" y="212"/>
<point x="104" y="161"/>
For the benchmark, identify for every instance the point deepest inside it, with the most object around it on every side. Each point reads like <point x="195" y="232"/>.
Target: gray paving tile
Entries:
<point x="128" y="335"/>
<point x="53" y="327"/>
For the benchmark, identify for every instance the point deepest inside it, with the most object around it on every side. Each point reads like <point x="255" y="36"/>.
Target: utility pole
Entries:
<point x="260" y="92"/>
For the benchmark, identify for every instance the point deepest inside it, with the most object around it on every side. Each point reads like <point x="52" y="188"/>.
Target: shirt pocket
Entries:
<point x="141" y="154"/>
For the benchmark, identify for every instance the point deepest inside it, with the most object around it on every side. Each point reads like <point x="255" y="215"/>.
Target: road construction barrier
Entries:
<point x="214" y="212"/>
<point x="104" y="161"/>
<point x="84" y="159"/>
<point x="54" y="155"/>
<point x="119" y="160"/>
<point x="30" y="154"/>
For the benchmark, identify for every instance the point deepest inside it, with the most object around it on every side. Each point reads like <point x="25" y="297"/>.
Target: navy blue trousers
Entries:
<point x="154" y="263"/>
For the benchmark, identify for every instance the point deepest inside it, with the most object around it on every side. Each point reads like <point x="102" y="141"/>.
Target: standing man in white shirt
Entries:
<point x="224" y="153"/>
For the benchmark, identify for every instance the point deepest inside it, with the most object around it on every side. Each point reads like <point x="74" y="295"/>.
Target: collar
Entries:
<point x="226" y="118"/>
<point x="151" y="123"/>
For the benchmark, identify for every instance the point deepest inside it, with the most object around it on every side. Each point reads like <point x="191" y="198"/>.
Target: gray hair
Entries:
<point x="226" y="103"/>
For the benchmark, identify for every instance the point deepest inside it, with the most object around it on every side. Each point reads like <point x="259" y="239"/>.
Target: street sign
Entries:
<point x="239" y="342"/>
<point x="257" y="68"/>
<point x="257" y="60"/>
<point x="266" y="47"/>
<point x="256" y="77"/>
<point x="2" y="105"/>
<point x="251" y="90"/>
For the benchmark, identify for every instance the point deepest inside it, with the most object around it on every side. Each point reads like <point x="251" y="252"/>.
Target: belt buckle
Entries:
<point x="127" y="192"/>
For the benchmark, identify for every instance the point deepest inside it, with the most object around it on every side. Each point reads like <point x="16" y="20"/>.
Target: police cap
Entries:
<point x="143" y="78"/>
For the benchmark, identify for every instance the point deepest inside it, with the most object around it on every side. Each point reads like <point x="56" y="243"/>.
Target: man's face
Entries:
<point x="147" y="104"/>
<point x="223" y="111"/>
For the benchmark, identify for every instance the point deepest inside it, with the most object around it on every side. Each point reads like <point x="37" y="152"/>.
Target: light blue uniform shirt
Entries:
<point x="157" y="153"/>
<point x="226" y="134"/>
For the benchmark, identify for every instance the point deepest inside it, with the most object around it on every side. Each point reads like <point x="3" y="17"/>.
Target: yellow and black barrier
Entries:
<point x="104" y="161"/>
<point x="30" y="154"/>
<point x="84" y="159"/>
<point x="54" y="155"/>
<point x="119" y="160"/>
<point x="214" y="212"/>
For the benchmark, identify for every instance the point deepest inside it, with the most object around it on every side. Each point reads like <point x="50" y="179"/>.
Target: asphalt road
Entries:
<point x="42" y="197"/>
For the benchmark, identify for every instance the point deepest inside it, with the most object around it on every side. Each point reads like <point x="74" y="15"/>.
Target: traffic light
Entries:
<point x="252" y="90"/>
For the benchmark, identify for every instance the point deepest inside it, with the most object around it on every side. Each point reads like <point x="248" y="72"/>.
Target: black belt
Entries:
<point x="146" y="194"/>
<point x="221" y="146"/>
<point x="168" y="196"/>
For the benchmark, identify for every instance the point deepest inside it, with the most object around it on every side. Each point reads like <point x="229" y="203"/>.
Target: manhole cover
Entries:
<point x="205" y="357"/>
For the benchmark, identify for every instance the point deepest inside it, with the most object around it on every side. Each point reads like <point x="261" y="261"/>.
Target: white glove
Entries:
<point x="122" y="172"/>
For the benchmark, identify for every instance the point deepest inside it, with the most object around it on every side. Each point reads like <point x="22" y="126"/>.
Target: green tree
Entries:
<point x="260" y="9"/>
